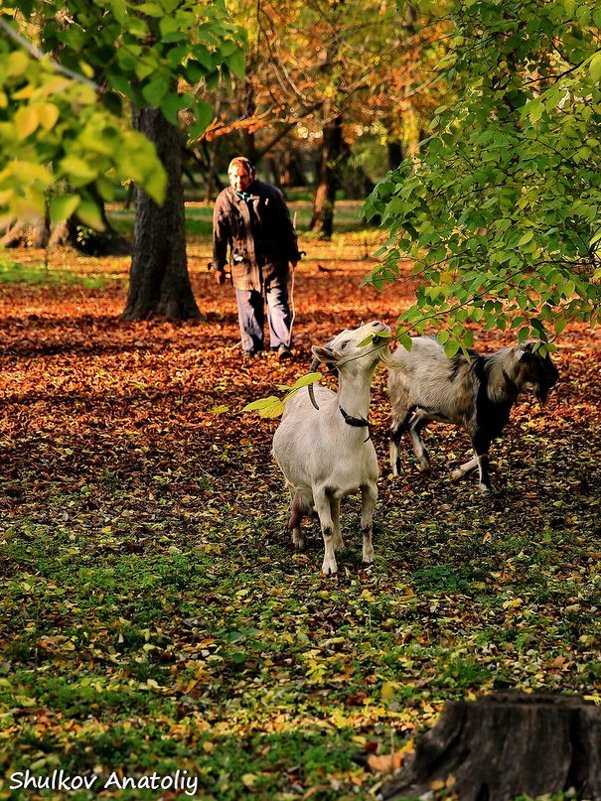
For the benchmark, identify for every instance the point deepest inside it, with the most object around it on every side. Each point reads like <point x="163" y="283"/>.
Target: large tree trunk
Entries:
<point x="507" y="745"/>
<point x="322" y="220"/>
<point x="159" y="281"/>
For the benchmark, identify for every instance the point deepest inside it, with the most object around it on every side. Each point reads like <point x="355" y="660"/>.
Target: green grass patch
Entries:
<point x="39" y="275"/>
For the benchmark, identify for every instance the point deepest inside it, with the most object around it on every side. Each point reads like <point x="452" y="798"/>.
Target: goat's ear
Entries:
<point x="525" y="349"/>
<point x="324" y="355"/>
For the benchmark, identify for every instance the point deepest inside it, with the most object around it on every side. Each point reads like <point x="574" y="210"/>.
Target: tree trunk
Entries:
<point x="71" y="233"/>
<point x="395" y="154"/>
<point x="159" y="281"/>
<point x="322" y="220"/>
<point x="506" y="745"/>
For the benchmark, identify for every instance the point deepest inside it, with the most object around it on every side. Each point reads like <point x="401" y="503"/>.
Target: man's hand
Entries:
<point x="220" y="276"/>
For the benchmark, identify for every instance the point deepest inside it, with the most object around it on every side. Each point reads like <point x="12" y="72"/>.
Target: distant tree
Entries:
<point x="64" y="119"/>
<point x="501" y="211"/>
<point x="320" y="73"/>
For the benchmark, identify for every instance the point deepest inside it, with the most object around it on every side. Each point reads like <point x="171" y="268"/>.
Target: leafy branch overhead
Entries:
<point x="69" y="68"/>
<point x="501" y="212"/>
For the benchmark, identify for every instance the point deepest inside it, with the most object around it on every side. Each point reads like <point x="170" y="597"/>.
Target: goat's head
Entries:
<point x="536" y="371"/>
<point x="348" y="350"/>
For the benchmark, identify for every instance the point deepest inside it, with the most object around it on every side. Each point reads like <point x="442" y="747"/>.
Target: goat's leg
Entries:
<point x="297" y="511"/>
<point x="324" y="511"/>
<point x="419" y="449"/>
<point x="398" y="427"/>
<point x="464" y="469"/>
<point x="369" y="496"/>
<point x="335" y="507"/>
<point x="481" y="446"/>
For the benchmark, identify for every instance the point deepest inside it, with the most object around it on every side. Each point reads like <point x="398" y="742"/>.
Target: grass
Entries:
<point x="11" y="272"/>
<point x="154" y="616"/>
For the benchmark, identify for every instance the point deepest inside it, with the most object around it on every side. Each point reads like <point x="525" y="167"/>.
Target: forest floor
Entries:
<point x="154" y="616"/>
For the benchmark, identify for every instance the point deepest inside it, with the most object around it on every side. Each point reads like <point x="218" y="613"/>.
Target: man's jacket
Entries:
<point x="259" y="233"/>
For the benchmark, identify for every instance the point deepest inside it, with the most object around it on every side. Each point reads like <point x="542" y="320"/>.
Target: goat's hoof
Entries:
<point x="423" y="468"/>
<point x="485" y="489"/>
<point x="456" y="475"/>
<point x="298" y="542"/>
<point x="339" y="543"/>
<point x="329" y="569"/>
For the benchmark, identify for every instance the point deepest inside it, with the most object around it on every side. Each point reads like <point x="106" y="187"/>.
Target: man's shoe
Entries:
<point x="248" y="354"/>
<point x="284" y="353"/>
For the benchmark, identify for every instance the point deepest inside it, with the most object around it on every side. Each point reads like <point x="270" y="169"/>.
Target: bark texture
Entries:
<point x="159" y="281"/>
<point x="322" y="220"/>
<point x="505" y="745"/>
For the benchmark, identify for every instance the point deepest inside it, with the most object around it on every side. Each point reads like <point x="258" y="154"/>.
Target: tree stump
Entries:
<point x="505" y="745"/>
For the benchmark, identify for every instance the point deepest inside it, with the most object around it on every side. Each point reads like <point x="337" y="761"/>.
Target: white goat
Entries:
<point x="478" y="394"/>
<point x="325" y="451"/>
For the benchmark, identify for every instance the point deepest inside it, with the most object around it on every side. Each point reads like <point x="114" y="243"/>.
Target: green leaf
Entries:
<point x="204" y="115"/>
<point x="525" y="238"/>
<point x="90" y="215"/>
<point x="61" y="208"/>
<point x="155" y="91"/>
<point x="77" y="170"/>
<point x="151" y="9"/>
<point x="595" y="67"/>
<point x="262" y="403"/>
<point x="236" y="63"/>
<point x="173" y="104"/>
<point x="305" y="380"/>
<point x="451" y="348"/>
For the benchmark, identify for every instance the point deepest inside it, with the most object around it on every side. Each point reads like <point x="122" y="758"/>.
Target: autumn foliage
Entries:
<point x="154" y="615"/>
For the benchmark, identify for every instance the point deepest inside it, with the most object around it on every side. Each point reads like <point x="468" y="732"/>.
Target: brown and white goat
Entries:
<point x="478" y="395"/>
<point x="323" y="447"/>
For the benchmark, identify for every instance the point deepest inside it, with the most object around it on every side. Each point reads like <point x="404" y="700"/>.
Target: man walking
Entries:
<point x="251" y="218"/>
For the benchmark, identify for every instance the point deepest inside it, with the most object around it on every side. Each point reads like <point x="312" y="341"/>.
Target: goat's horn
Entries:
<point x="314" y="365"/>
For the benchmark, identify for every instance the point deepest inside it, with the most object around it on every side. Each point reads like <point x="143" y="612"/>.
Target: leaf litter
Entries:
<point x="154" y="615"/>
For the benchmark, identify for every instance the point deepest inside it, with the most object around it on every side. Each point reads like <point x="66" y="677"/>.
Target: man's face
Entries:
<point x="240" y="177"/>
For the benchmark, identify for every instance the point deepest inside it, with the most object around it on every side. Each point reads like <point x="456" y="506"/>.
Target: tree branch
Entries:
<point x="40" y="55"/>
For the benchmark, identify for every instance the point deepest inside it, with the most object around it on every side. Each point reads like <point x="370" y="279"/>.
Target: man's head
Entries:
<point x="241" y="173"/>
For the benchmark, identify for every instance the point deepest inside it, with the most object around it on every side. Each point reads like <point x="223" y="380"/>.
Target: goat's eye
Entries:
<point x="343" y="344"/>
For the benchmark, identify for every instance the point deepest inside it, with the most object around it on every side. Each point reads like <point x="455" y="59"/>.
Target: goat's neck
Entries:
<point x="353" y="395"/>
<point x="501" y="375"/>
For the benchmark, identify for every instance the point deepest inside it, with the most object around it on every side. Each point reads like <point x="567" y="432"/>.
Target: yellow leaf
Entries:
<point x="387" y="763"/>
<point x="249" y="779"/>
<point x="30" y="171"/>
<point x="5" y="196"/>
<point x="76" y="167"/>
<point x="274" y="410"/>
<point x="388" y="690"/>
<point x="47" y="115"/>
<point x="17" y="63"/>
<point x="26" y="121"/>
<point x="30" y="207"/>
<point x="25" y="93"/>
